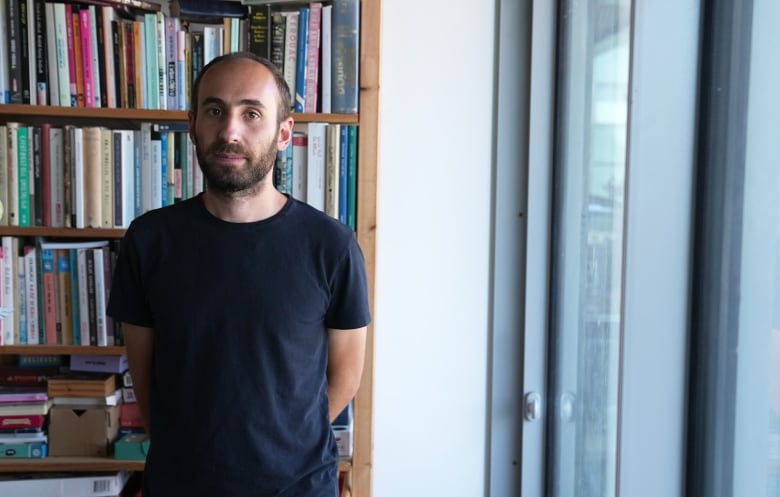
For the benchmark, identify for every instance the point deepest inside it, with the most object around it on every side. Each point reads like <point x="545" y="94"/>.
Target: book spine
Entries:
<point x="14" y="55"/>
<point x="313" y="57"/>
<point x="108" y="53"/>
<point x="41" y="61"/>
<point x="345" y="52"/>
<point x="117" y="186"/>
<point x="98" y="61"/>
<point x="52" y="58"/>
<point x="299" y="149"/>
<point x="4" y="53"/>
<point x="9" y="279"/>
<point x="36" y="186"/>
<point x="57" y="177"/>
<point x="332" y="154"/>
<point x="288" y="31"/>
<point x="171" y="59"/>
<point x="151" y="62"/>
<point x="63" y="55"/>
<point x="78" y="53"/>
<point x="327" y="60"/>
<point x="3" y="175"/>
<point x="260" y="30"/>
<point x="23" y="186"/>
<point x="75" y="294"/>
<point x="91" y="303"/>
<point x="98" y="274"/>
<point x="50" y="317"/>
<point x="85" y="28"/>
<point x="45" y="194"/>
<point x="302" y="57"/>
<point x="24" y="50"/>
<point x="182" y="58"/>
<point x="31" y="294"/>
<point x="12" y="158"/>
<point x="64" y="296"/>
<point x="352" y="178"/>
<point x="315" y="161"/>
<point x="106" y="178"/>
<point x="92" y="169"/>
<point x="342" y="171"/>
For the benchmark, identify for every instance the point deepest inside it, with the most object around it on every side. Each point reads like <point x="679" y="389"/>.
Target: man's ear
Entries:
<point x="285" y="133"/>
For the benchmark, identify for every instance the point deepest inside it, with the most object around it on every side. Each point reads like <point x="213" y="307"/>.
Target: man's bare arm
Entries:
<point x="139" y="342"/>
<point x="346" y="355"/>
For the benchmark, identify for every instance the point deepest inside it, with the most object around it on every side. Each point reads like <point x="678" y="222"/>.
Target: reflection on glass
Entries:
<point x="587" y="266"/>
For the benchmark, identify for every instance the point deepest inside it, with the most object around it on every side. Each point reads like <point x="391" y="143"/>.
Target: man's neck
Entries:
<point x="242" y="207"/>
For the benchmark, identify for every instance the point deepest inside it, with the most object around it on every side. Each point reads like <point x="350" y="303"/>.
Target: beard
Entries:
<point x="231" y="179"/>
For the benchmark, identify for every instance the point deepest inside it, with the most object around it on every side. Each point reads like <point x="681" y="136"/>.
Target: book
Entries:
<point x="284" y="46"/>
<point x="315" y="165"/>
<point x="313" y="57"/>
<point x="332" y="161"/>
<point x="21" y="421"/>
<point x="22" y="394"/>
<point x="81" y="385"/>
<point x="207" y="10"/>
<point x="345" y="44"/>
<point x="299" y="159"/>
<point x="24" y="450"/>
<point x="111" y="399"/>
<point x="301" y="60"/>
<point x="92" y="176"/>
<point x="40" y="408"/>
<point x="352" y="161"/>
<point x="260" y="30"/>
<point x="326" y="63"/>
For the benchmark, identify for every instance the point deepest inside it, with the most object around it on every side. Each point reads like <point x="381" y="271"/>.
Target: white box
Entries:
<point x="344" y="438"/>
<point x="99" y="363"/>
<point x="84" y="486"/>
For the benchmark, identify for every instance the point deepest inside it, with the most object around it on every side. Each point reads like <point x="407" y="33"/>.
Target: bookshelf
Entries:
<point x="360" y="466"/>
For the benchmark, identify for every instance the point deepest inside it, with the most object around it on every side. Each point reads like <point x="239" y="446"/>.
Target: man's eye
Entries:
<point x="213" y="111"/>
<point x="253" y="115"/>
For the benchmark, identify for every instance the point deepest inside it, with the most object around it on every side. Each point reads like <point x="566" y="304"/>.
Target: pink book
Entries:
<point x="21" y="421"/>
<point x="85" y="24"/>
<point x="313" y="57"/>
<point x="22" y="395"/>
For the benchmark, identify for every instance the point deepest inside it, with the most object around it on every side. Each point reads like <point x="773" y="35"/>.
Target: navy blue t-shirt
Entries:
<point x="239" y="401"/>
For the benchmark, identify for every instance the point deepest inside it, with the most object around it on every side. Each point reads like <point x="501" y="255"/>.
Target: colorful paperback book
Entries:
<point x="23" y="450"/>
<point x="21" y="421"/>
<point x="23" y="437"/>
<point x="25" y="409"/>
<point x="20" y="395"/>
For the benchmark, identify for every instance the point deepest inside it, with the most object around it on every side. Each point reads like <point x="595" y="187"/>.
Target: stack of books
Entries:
<point x="22" y="414"/>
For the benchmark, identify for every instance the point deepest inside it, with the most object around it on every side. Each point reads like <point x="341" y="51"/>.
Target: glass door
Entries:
<point x="594" y="47"/>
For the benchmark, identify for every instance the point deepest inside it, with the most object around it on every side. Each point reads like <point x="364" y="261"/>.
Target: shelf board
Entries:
<point x="60" y="350"/>
<point x="19" y="112"/>
<point x="109" y="233"/>
<point x="85" y="464"/>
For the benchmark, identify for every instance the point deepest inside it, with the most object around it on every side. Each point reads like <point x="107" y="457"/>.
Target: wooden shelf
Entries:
<point x="86" y="464"/>
<point x="80" y="464"/>
<point x="61" y="232"/>
<point x="25" y="112"/>
<point x="59" y="350"/>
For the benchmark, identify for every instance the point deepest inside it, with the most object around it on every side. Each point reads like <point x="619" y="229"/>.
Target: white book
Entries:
<point x="106" y="178"/>
<point x="77" y="184"/>
<point x="127" y="180"/>
<point x="155" y="181"/>
<point x="51" y="55"/>
<point x="146" y="167"/>
<point x="291" y="49"/>
<point x="57" y="165"/>
<point x="162" y="63"/>
<point x="325" y="91"/>
<point x="61" y="41"/>
<point x="100" y="297"/>
<point x="315" y="165"/>
<point x="31" y="294"/>
<point x="4" y="87"/>
<point x="109" y="400"/>
<point x="103" y="485"/>
<point x="299" y="160"/>
<point x="3" y="175"/>
<point x="211" y="42"/>
<point x="32" y="72"/>
<point x="108" y="41"/>
<point x="8" y="289"/>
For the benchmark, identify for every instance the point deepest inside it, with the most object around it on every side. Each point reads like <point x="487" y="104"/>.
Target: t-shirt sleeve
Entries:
<point x="127" y="301"/>
<point x="349" y="307"/>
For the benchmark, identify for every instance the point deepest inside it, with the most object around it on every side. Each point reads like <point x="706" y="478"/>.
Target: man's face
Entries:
<point x="235" y="130"/>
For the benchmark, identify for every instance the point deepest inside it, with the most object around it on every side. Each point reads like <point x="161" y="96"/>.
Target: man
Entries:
<point x="244" y="311"/>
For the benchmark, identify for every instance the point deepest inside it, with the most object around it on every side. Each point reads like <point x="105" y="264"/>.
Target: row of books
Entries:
<point x="90" y="54"/>
<point x="320" y="168"/>
<point x="93" y="176"/>
<point x="99" y="177"/>
<point x="57" y="292"/>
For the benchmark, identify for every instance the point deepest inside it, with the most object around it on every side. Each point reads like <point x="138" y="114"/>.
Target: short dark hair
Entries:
<point x="285" y="99"/>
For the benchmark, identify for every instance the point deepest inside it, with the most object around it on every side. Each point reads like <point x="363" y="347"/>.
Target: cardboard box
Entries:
<point x="132" y="447"/>
<point x="105" y="485"/>
<point x="99" y="363"/>
<point x="86" y="432"/>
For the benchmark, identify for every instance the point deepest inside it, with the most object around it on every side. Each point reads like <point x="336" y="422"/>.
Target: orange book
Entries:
<point x="78" y="54"/>
<point x="49" y="279"/>
<point x="138" y="53"/>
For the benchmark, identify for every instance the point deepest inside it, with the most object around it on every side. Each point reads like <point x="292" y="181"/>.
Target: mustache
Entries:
<point x="227" y="148"/>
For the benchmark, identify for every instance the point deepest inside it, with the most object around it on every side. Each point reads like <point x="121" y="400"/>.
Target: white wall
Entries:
<point x="434" y="214"/>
